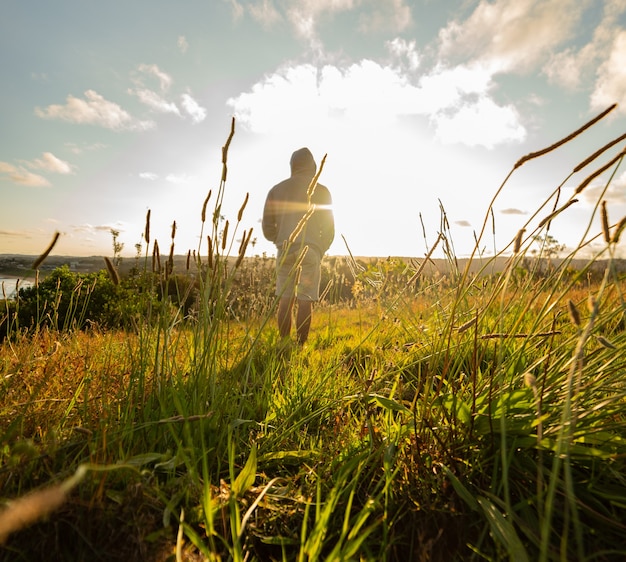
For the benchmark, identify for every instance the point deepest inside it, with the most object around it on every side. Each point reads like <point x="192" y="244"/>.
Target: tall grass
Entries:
<point x="434" y="416"/>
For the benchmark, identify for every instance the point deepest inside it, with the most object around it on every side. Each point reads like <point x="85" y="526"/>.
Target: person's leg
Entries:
<point x="303" y="320"/>
<point x="285" y="307"/>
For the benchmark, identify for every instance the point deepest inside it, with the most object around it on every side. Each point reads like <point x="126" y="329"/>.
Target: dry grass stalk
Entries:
<point x="146" y="232"/>
<point x="311" y="189"/>
<point x="300" y="225"/>
<point x="599" y="171"/>
<point x="566" y="139"/>
<point x="173" y="230"/>
<point x="605" y="223"/>
<point x="522" y="336"/>
<point x="46" y="252"/>
<point x="557" y="212"/>
<point x="204" y="205"/>
<point x="210" y="244"/>
<point x="240" y="213"/>
<point x="426" y="259"/>
<point x="188" y="260"/>
<point x="598" y="153"/>
<point x="242" y="248"/>
<point x="113" y="273"/>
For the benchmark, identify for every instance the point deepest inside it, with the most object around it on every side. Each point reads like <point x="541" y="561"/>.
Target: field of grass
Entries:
<point x="429" y="417"/>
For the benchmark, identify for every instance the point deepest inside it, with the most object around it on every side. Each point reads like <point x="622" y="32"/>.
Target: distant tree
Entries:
<point x="548" y="247"/>
<point x="117" y="247"/>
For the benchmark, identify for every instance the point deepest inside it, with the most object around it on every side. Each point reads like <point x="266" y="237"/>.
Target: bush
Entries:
<point x="69" y="300"/>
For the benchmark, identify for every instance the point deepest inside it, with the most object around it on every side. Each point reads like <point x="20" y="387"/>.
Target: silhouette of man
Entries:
<point x="299" y="220"/>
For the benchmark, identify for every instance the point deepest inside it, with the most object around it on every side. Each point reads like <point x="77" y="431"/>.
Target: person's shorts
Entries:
<point x="302" y="282"/>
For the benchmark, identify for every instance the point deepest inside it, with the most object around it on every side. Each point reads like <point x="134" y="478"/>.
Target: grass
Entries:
<point x="429" y="417"/>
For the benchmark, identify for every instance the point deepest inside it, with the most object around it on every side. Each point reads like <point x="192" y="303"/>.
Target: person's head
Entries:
<point x="302" y="161"/>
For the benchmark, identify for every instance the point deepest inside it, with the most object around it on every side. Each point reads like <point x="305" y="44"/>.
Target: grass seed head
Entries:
<point x="156" y="258"/>
<point x="592" y="304"/>
<point x="146" y="233"/>
<point x="605" y="223"/>
<point x="240" y="213"/>
<point x="206" y="202"/>
<point x="224" y="236"/>
<point x="113" y="273"/>
<point x="574" y="315"/>
<point x="605" y="343"/>
<point x="565" y="139"/>
<point x="46" y="252"/>
<point x="27" y="510"/>
<point x="530" y="380"/>
<point x="599" y="171"/>
<point x="618" y="230"/>
<point x="518" y="241"/>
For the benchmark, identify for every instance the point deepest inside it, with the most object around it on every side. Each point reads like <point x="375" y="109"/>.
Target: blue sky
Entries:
<point x="108" y="109"/>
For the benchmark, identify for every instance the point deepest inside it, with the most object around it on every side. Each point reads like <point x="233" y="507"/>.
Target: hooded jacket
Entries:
<point x="287" y="203"/>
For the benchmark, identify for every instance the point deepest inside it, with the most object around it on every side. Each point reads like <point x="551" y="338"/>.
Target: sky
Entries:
<point x="421" y="107"/>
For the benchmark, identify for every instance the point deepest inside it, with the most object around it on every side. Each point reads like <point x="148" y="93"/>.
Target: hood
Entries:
<point x="302" y="161"/>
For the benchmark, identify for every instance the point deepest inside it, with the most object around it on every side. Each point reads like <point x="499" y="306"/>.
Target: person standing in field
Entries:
<point x="298" y="219"/>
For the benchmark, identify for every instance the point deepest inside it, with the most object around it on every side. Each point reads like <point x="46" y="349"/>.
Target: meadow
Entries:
<point x="435" y="413"/>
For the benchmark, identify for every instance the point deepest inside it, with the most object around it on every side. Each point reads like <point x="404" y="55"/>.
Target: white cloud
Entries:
<point x="611" y="84"/>
<point x="264" y="12"/>
<point x="306" y="97"/>
<point x="237" y="9"/>
<point x="179" y="178"/>
<point x="21" y="176"/>
<point x="444" y="87"/>
<point x="614" y="194"/>
<point x="51" y="163"/>
<point x="150" y="176"/>
<point x="165" y="80"/>
<point x="99" y="228"/>
<point x="575" y="67"/>
<point x="512" y="35"/>
<point x="567" y="67"/>
<point x="155" y="102"/>
<point x="482" y="123"/>
<point x="76" y="149"/>
<point x="392" y="15"/>
<point x="94" y="110"/>
<point x="182" y="43"/>
<point x="193" y="108"/>
<point x="305" y="16"/>
<point x="405" y="52"/>
<point x="148" y="96"/>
